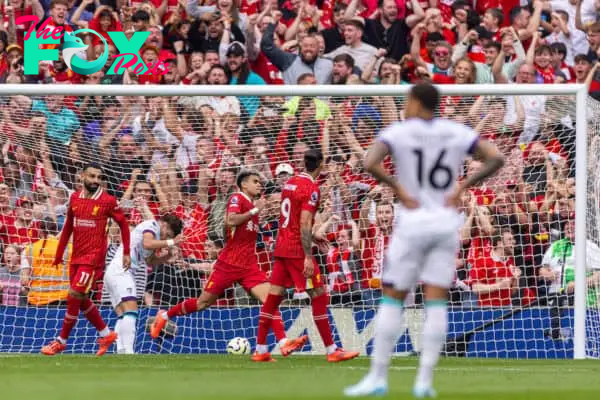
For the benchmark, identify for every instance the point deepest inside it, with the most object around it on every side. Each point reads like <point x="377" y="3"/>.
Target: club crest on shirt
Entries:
<point x="234" y="200"/>
<point x="314" y="197"/>
<point x="95" y="210"/>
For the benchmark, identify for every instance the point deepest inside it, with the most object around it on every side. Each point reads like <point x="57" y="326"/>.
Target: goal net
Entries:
<point x="513" y="295"/>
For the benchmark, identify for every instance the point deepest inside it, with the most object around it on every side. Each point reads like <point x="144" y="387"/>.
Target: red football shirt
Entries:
<point x="11" y="234"/>
<point x="240" y="249"/>
<point x="301" y="192"/>
<point x="489" y="270"/>
<point x="374" y="248"/>
<point x="195" y="230"/>
<point x="86" y="220"/>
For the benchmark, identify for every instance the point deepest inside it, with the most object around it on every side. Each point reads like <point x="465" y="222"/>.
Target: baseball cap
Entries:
<point x="236" y="49"/>
<point x="24" y="199"/>
<point x="284" y="167"/>
<point x="14" y="47"/>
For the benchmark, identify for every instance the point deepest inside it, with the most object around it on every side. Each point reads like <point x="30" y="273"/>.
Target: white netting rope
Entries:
<point x="181" y="154"/>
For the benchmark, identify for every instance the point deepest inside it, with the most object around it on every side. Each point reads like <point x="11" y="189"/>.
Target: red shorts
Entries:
<point x="225" y="275"/>
<point x="288" y="271"/>
<point x="82" y="277"/>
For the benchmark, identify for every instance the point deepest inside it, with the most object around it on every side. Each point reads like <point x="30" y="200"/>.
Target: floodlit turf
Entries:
<point x="299" y="377"/>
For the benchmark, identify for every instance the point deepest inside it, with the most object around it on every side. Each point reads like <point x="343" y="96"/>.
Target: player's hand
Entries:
<point x="406" y="200"/>
<point x="126" y="262"/>
<point x="179" y="239"/>
<point x="309" y="267"/>
<point x="453" y="200"/>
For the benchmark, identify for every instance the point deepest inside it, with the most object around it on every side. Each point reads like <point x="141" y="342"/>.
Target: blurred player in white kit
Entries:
<point x="428" y="154"/>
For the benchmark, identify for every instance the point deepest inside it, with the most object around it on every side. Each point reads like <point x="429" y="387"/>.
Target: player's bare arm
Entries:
<point x="306" y="219"/>
<point x="150" y="242"/>
<point x="119" y="217"/>
<point x="492" y="162"/>
<point x="373" y="164"/>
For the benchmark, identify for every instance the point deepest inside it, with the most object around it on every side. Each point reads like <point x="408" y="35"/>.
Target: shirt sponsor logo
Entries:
<point x="85" y="223"/>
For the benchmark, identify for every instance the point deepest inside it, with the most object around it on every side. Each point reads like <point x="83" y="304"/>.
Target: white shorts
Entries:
<point x="423" y="249"/>
<point x="120" y="287"/>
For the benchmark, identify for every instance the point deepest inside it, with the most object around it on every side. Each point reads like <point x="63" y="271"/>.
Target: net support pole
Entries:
<point x="581" y="172"/>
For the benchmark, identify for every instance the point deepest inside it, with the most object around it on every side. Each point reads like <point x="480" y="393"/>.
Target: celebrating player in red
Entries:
<point x="87" y="216"/>
<point x="237" y="263"/>
<point x="294" y="261"/>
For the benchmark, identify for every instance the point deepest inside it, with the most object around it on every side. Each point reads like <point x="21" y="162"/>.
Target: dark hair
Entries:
<point x="514" y="13"/>
<point x="494" y="45"/>
<point x="559" y="47"/>
<point x="339" y="6"/>
<point x="222" y="68"/>
<point x="346" y="59"/>
<point x="496" y="13"/>
<point x="243" y="175"/>
<point x="427" y="95"/>
<point x="174" y="223"/>
<point x="94" y="165"/>
<point x="140" y="15"/>
<point x="543" y="49"/>
<point x="313" y="158"/>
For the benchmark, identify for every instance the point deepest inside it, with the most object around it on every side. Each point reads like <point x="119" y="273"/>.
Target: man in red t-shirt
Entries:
<point x="494" y="277"/>
<point x="294" y="262"/>
<point x="87" y="217"/>
<point x="21" y="229"/>
<point x="237" y="262"/>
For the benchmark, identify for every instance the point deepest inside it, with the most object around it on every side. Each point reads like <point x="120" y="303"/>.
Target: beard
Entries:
<point x="308" y="60"/>
<point x="91" y="187"/>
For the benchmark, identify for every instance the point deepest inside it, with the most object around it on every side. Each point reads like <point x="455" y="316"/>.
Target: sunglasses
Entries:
<point x="441" y="53"/>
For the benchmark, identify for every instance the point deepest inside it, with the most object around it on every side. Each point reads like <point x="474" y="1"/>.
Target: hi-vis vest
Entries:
<point x="48" y="283"/>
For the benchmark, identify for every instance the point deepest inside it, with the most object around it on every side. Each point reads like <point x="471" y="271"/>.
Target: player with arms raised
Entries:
<point x="147" y="239"/>
<point x="428" y="154"/>
<point x="294" y="260"/>
<point x="87" y="216"/>
<point x="237" y="262"/>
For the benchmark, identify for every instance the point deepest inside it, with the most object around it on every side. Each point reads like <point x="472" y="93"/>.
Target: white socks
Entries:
<point x="434" y="336"/>
<point x="388" y="323"/>
<point x="126" y="329"/>
<point x="104" y="332"/>
<point x="120" y="347"/>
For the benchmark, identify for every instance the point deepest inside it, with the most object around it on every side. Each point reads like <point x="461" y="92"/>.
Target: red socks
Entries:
<point x="321" y="318"/>
<point x="185" y="307"/>
<point x="92" y="314"/>
<point x="268" y="311"/>
<point x="277" y="325"/>
<point x="71" y="316"/>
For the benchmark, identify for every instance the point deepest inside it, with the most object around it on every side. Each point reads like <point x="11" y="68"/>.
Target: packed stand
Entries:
<point x="181" y="154"/>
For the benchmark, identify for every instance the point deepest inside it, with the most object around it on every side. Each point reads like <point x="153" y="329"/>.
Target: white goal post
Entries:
<point x="580" y="92"/>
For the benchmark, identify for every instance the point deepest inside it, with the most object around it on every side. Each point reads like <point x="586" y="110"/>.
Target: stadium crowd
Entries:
<point x="181" y="155"/>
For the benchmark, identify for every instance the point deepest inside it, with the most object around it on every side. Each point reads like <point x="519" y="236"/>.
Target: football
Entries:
<point x="238" y="346"/>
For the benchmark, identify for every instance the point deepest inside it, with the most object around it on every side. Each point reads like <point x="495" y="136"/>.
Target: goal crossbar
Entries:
<point x="579" y="91"/>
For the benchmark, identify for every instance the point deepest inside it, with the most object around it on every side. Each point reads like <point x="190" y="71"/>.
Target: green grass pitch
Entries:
<point x="165" y="377"/>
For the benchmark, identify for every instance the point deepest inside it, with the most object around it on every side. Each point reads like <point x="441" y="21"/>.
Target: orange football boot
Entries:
<point x="292" y="345"/>
<point x="106" y="342"/>
<point x="53" y="348"/>
<point x="340" y="355"/>
<point x="262" y="357"/>
<point x="158" y="325"/>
